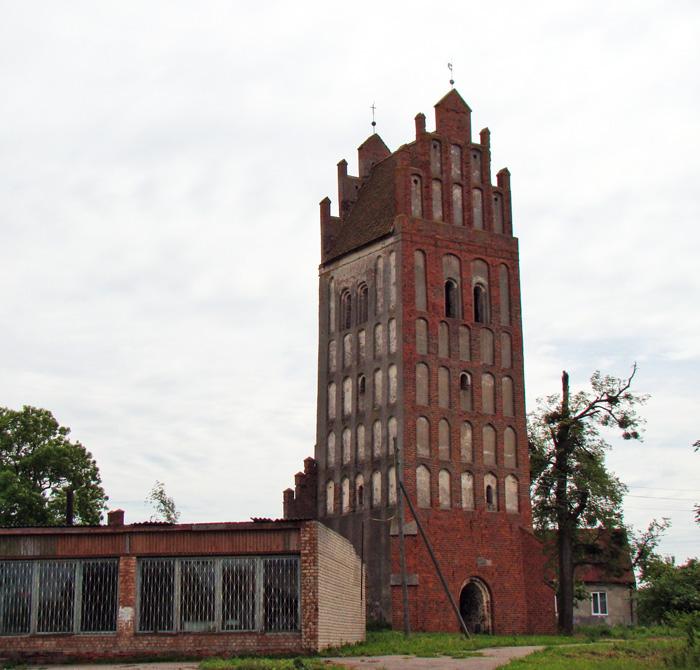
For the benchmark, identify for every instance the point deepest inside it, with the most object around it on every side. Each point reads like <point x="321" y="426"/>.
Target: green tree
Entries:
<point x="643" y="545"/>
<point x="39" y="465"/>
<point x="163" y="504"/>
<point x="571" y="486"/>
<point x="668" y="590"/>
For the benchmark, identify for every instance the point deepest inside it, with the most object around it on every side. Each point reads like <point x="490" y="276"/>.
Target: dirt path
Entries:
<point x="492" y="658"/>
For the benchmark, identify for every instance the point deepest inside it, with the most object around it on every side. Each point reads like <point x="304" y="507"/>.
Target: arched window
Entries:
<point x="392" y="426"/>
<point x="423" y="436"/>
<point x="443" y="340"/>
<point x="491" y="492"/>
<point x="393" y="384"/>
<point x="435" y="157"/>
<point x="480" y="289"/>
<point x="345" y="310"/>
<point x="379" y="286"/>
<point x="444" y="440"/>
<point x="504" y="294"/>
<point x="466" y="440"/>
<point x="497" y="213"/>
<point x="416" y="196"/>
<point x="444" y="493"/>
<point x="506" y="351"/>
<point x="507" y="396"/>
<point x="376" y="488"/>
<point x="457" y="205"/>
<point x="392" y="280"/>
<point x="345" y="496"/>
<point x="423" y="486"/>
<point x="392" y="336"/>
<point x="478" y="208"/>
<point x="456" y="156"/>
<point x="443" y="387"/>
<point x="467" y="491"/>
<point x="378" y="388"/>
<point x="420" y="281"/>
<point x="361" y="346"/>
<point x="332" y="355"/>
<point x="346" y="445"/>
<point x="330" y="497"/>
<point x="486" y="337"/>
<point x="362" y="303"/>
<point x="510" y="458"/>
<point x="347" y="351"/>
<point x="451" y="276"/>
<point x="437" y="200"/>
<point x="465" y="392"/>
<point x="360" y="440"/>
<point x="511" y="487"/>
<point x="330" y="450"/>
<point x="422" y="384"/>
<point x="331" y="306"/>
<point x="476" y="166"/>
<point x="347" y="396"/>
<point x="451" y="299"/>
<point x="481" y="313"/>
<point x="391" y="485"/>
<point x="359" y="492"/>
<point x="489" y="444"/>
<point x="377" y="439"/>
<point x="361" y="393"/>
<point x="488" y="394"/>
<point x="378" y="340"/>
<point x="331" y="400"/>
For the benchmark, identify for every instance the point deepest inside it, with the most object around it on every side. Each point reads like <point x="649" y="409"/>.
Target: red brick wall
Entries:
<point x="482" y="545"/>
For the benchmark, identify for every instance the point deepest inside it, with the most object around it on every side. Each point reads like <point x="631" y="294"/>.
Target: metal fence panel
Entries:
<point x="70" y="596"/>
<point x="15" y="597"/>
<point x="218" y="594"/>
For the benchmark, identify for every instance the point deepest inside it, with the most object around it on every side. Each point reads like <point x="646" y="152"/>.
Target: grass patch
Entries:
<point x="630" y="648"/>
<point x="393" y="643"/>
<point x="638" y="654"/>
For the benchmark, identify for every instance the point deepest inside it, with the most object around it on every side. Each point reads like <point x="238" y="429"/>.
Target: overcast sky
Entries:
<point x="161" y="165"/>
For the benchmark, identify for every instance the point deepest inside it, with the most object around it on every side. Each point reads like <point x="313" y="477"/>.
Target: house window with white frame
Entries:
<point x="599" y="603"/>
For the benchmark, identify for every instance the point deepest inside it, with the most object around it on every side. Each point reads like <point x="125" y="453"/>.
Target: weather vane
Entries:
<point x="452" y="81"/>
<point x="374" y="123"/>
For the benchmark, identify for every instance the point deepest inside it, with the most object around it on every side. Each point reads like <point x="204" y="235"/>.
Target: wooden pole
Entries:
<point x="398" y="471"/>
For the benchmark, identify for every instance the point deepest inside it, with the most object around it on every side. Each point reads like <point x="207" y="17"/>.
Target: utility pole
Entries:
<point x="398" y="470"/>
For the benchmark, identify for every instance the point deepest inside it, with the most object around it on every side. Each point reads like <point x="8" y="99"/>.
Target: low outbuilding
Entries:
<point x="286" y="586"/>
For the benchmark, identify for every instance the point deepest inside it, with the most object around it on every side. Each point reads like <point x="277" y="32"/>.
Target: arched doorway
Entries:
<point x="475" y="606"/>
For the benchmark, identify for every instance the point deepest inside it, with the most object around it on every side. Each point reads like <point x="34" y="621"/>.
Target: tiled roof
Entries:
<point x="372" y="215"/>
<point x="618" y="569"/>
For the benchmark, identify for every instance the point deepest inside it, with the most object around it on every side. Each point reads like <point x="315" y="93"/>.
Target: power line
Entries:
<point x="629" y="495"/>
<point x="660" y="509"/>
<point x="666" y="488"/>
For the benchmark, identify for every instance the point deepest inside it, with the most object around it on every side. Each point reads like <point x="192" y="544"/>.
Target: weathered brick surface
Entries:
<point x="388" y="213"/>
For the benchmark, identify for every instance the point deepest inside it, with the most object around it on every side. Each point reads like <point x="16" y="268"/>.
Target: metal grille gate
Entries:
<point x="218" y="594"/>
<point x="77" y="596"/>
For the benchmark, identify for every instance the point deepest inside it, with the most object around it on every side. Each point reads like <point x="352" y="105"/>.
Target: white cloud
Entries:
<point x="160" y="171"/>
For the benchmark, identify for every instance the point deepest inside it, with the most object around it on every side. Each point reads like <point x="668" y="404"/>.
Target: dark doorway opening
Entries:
<point x="475" y="607"/>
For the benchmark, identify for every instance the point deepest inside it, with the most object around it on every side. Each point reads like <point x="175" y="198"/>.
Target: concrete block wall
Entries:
<point x="341" y="586"/>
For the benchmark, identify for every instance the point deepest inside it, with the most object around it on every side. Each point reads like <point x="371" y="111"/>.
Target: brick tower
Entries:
<point x="420" y="346"/>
